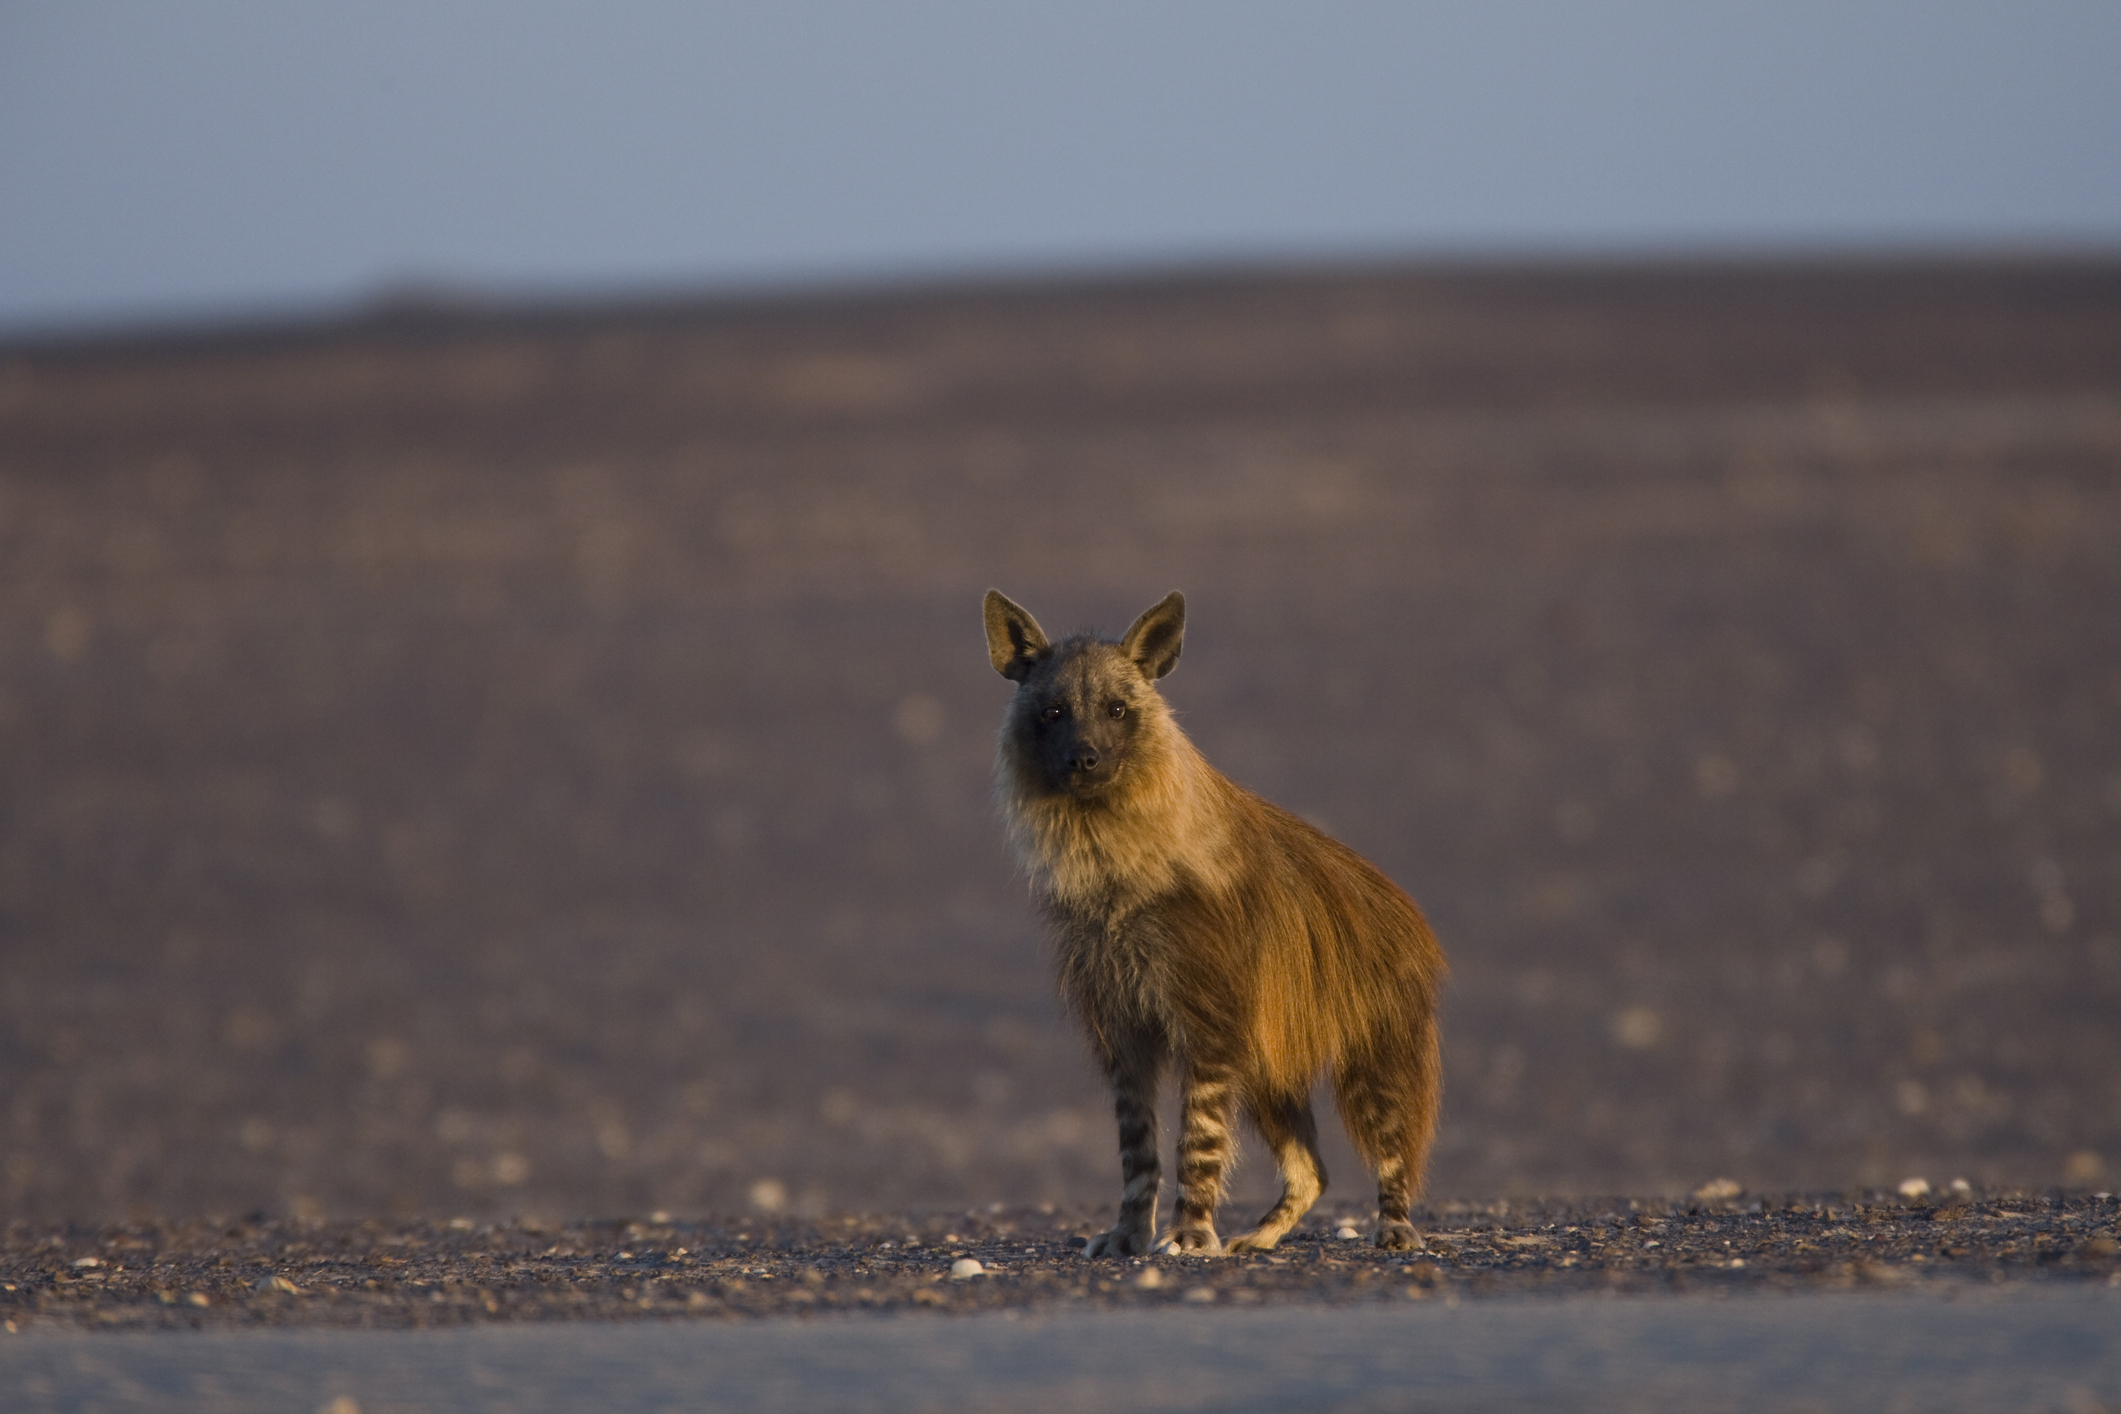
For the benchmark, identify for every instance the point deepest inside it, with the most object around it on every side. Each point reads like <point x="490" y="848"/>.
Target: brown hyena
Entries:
<point x="1199" y="924"/>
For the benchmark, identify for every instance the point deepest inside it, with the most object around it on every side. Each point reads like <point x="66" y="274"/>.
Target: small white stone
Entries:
<point x="1716" y="1190"/>
<point x="965" y="1268"/>
<point x="1961" y="1187"/>
<point x="1150" y="1279"/>
<point x="1346" y="1233"/>
<point x="1200" y="1295"/>
<point x="1914" y="1188"/>
<point x="1638" y="1027"/>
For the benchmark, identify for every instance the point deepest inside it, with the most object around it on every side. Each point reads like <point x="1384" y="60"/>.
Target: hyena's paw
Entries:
<point x="1120" y="1242"/>
<point x="1258" y="1239"/>
<point x="1197" y="1240"/>
<point x="1399" y="1237"/>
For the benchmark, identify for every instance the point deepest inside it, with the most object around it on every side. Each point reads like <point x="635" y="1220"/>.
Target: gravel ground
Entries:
<point x="247" y="1274"/>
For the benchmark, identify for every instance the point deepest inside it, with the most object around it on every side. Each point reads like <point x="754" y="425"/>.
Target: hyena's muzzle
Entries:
<point x="1084" y="725"/>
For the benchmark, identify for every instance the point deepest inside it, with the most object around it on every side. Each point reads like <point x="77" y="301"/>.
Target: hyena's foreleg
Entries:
<point x="1206" y="1146"/>
<point x="1291" y="1131"/>
<point x="1389" y="1101"/>
<point x="1134" y="1069"/>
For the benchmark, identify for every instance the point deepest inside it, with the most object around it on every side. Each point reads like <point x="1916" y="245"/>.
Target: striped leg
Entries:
<point x="1291" y="1131"/>
<point x="1205" y="1148"/>
<point x="1134" y="1072"/>
<point x="1389" y="1103"/>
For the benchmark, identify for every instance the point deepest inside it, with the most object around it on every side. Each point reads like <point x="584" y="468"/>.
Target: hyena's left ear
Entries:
<point x="1156" y="637"/>
<point x="1014" y="639"/>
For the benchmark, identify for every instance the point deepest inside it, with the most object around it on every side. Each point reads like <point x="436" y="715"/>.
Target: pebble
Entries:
<point x="1150" y="1279"/>
<point x="1346" y="1233"/>
<point x="965" y="1268"/>
<point x="1914" y="1188"/>
<point x="1200" y="1295"/>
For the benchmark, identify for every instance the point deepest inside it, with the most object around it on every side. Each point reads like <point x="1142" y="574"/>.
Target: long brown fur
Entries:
<point x="1196" y="923"/>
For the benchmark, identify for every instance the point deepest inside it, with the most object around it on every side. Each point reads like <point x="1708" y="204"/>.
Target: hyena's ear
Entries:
<point x="1014" y="638"/>
<point x="1156" y="637"/>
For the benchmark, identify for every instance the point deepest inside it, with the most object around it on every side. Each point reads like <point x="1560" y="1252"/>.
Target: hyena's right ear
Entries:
<point x="1014" y="639"/>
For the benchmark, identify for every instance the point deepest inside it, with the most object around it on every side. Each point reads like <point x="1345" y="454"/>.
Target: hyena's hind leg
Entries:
<point x="1206" y="1146"/>
<point x="1134" y="1067"/>
<point x="1291" y="1131"/>
<point x="1388" y="1098"/>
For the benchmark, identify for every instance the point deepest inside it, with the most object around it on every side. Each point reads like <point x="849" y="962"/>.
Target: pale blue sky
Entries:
<point x="217" y="158"/>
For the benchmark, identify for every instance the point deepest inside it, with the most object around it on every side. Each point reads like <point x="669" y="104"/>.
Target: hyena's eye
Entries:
<point x="1116" y="710"/>
<point x="1053" y="713"/>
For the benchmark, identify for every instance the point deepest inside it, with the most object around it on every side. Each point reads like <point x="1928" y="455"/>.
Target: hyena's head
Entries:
<point x="1084" y="707"/>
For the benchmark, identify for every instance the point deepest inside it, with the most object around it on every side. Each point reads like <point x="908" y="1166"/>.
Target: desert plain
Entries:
<point x="496" y="817"/>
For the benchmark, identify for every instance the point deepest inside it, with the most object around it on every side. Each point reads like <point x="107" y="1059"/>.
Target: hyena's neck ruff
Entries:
<point x="1196" y="922"/>
<point x="1163" y="826"/>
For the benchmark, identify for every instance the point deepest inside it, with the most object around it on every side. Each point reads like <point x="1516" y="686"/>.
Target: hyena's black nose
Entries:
<point x="1083" y="758"/>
